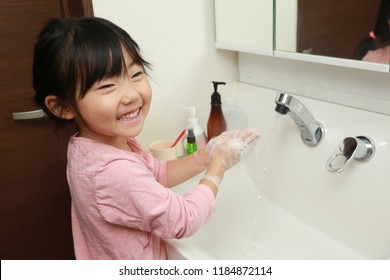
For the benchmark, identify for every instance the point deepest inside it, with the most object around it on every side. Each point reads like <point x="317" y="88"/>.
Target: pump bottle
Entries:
<point x="216" y="123"/>
<point x="193" y="123"/>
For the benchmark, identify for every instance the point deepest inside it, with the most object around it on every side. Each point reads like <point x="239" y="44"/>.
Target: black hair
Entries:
<point x="380" y="31"/>
<point x="70" y="55"/>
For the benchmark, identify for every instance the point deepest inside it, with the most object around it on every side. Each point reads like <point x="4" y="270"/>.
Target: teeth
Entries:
<point x="129" y="116"/>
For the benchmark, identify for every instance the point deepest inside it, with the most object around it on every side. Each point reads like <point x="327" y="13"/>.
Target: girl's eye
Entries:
<point x="105" y="86"/>
<point x="137" y="74"/>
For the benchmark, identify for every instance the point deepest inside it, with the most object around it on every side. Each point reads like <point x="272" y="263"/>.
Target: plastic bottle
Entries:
<point x="191" y="142"/>
<point x="216" y="123"/>
<point x="193" y="123"/>
<point x="234" y="114"/>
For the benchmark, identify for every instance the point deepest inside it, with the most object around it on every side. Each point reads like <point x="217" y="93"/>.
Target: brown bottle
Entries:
<point x="216" y="123"/>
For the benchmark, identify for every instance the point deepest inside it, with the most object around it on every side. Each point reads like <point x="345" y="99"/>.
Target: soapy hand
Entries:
<point x="231" y="146"/>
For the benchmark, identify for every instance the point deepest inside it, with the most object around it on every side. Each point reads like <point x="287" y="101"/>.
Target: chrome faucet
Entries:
<point x="360" y="148"/>
<point x="312" y="132"/>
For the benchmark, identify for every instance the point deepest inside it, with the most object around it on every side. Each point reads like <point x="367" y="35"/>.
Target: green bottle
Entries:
<point x="191" y="142"/>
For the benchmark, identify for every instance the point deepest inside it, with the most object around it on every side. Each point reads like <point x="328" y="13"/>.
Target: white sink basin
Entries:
<point x="248" y="227"/>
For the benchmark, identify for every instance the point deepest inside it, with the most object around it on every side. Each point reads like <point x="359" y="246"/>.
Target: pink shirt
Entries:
<point x="381" y="55"/>
<point x="121" y="208"/>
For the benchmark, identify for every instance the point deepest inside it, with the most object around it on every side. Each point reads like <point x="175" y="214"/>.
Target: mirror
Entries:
<point x="329" y="28"/>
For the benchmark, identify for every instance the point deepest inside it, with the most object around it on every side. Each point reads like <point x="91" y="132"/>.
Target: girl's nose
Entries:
<point x="129" y="95"/>
<point x="128" y="98"/>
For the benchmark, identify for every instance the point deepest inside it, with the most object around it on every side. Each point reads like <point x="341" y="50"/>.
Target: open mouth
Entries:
<point x="130" y="116"/>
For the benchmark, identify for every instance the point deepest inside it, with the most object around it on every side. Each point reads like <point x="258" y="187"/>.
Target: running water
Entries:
<point x="259" y="161"/>
<point x="253" y="249"/>
<point x="267" y="154"/>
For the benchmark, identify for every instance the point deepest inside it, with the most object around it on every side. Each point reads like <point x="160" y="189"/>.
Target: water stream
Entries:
<point x="263" y="157"/>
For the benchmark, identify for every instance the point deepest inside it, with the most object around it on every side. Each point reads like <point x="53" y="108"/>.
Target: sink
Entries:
<point x="282" y="203"/>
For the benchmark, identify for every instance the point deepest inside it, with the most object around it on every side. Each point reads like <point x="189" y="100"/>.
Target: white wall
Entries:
<point x="177" y="37"/>
<point x="358" y="88"/>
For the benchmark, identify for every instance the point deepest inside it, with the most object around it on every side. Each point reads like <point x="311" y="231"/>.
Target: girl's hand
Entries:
<point x="231" y="146"/>
<point x="228" y="148"/>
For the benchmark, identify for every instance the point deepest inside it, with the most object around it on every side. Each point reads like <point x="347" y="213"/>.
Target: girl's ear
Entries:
<point x="52" y="103"/>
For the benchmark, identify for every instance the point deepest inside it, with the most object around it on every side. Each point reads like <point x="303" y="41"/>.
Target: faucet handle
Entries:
<point x="359" y="148"/>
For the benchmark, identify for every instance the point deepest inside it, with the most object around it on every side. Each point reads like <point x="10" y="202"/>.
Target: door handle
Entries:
<point x="29" y="115"/>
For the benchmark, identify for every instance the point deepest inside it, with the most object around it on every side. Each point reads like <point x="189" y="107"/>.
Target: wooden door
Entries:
<point x="35" y="200"/>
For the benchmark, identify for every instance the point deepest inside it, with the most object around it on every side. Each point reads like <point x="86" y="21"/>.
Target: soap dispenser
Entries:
<point x="216" y="123"/>
<point x="193" y="123"/>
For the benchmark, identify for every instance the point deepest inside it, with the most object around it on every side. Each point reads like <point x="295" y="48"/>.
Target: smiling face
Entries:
<point x="115" y="108"/>
<point x="89" y="71"/>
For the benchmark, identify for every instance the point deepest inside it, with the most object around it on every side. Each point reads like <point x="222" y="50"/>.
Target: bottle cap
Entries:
<point x="192" y="119"/>
<point x="191" y="136"/>
<point x="216" y="97"/>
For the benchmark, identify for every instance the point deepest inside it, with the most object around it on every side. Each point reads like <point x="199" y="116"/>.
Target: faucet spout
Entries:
<point x="312" y="132"/>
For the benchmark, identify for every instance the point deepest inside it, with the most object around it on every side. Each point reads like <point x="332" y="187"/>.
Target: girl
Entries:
<point x="90" y="72"/>
<point x="375" y="47"/>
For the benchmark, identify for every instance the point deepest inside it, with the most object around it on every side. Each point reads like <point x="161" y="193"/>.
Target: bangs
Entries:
<point x="99" y="53"/>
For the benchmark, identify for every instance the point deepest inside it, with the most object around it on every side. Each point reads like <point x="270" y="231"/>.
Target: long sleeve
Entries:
<point x="140" y="202"/>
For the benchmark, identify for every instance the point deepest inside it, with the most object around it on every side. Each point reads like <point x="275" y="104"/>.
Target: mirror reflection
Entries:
<point x="350" y="29"/>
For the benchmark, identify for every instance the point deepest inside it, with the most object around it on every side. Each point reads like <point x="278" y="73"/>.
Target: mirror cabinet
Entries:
<point x="322" y="31"/>
<point x="244" y="25"/>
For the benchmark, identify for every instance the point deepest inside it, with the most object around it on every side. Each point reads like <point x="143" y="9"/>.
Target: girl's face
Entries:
<point x="115" y="108"/>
